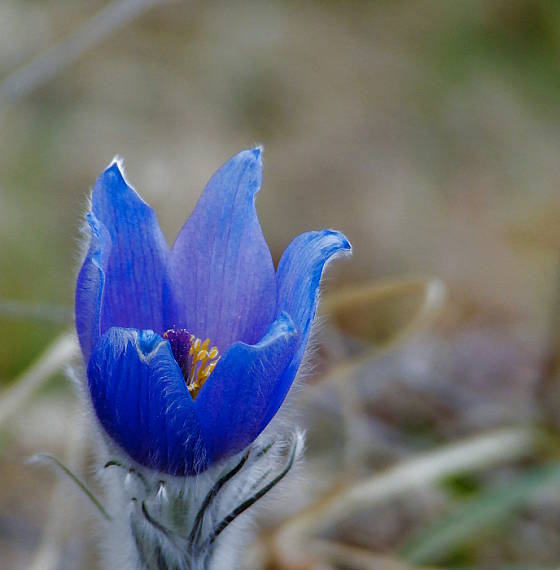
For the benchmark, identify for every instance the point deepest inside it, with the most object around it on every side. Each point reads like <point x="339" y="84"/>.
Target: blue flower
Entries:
<point x="171" y="400"/>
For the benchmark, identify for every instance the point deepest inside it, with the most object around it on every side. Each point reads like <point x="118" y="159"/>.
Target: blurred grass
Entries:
<point x="476" y="517"/>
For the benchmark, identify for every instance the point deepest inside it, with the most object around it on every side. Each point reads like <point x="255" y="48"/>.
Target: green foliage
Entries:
<point x="468" y="521"/>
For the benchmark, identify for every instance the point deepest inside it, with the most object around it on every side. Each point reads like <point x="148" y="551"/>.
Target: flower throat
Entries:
<point x="195" y="357"/>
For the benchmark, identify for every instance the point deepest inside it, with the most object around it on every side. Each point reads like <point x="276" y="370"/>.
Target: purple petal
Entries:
<point x="141" y="400"/>
<point x="299" y="277"/>
<point x="221" y="277"/>
<point x="136" y="264"/>
<point x="89" y="287"/>
<point x="233" y="402"/>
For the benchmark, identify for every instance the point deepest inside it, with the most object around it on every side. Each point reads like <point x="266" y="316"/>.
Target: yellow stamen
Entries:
<point x="201" y="355"/>
<point x="204" y="359"/>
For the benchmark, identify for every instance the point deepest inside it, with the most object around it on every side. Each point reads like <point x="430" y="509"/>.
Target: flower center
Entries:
<point x="195" y="357"/>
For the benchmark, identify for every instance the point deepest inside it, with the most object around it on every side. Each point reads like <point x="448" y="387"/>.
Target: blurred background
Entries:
<point x="429" y="133"/>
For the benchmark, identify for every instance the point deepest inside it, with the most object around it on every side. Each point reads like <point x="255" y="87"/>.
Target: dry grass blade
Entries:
<point x="476" y="453"/>
<point x="56" y="357"/>
<point x="381" y="312"/>
<point x="540" y="230"/>
<point x="355" y="558"/>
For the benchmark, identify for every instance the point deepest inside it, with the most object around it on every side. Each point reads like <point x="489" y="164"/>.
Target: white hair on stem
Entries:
<point x="202" y="522"/>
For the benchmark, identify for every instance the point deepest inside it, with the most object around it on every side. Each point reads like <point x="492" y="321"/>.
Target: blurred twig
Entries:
<point x="56" y="357"/>
<point x="475" y="453"/>
<point x="111" y="18"/>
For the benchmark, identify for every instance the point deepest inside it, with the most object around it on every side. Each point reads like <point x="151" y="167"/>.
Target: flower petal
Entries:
<point x="299" y="276"/>
<point x="232" y="404"/>
<point x="141" y="399"/>
<point x="136" y="265"/>
<point x="89" y="286"/>
<point x="221" y="276"/>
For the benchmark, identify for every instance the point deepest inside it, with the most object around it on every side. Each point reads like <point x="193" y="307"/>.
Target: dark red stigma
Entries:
<point x="180" y="341"/>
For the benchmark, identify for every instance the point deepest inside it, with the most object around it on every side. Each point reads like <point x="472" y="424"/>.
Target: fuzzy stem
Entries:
<point x="178" y="523"/>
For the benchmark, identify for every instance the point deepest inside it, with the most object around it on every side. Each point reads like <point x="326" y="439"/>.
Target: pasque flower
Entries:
<point x="192" y="349"/>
